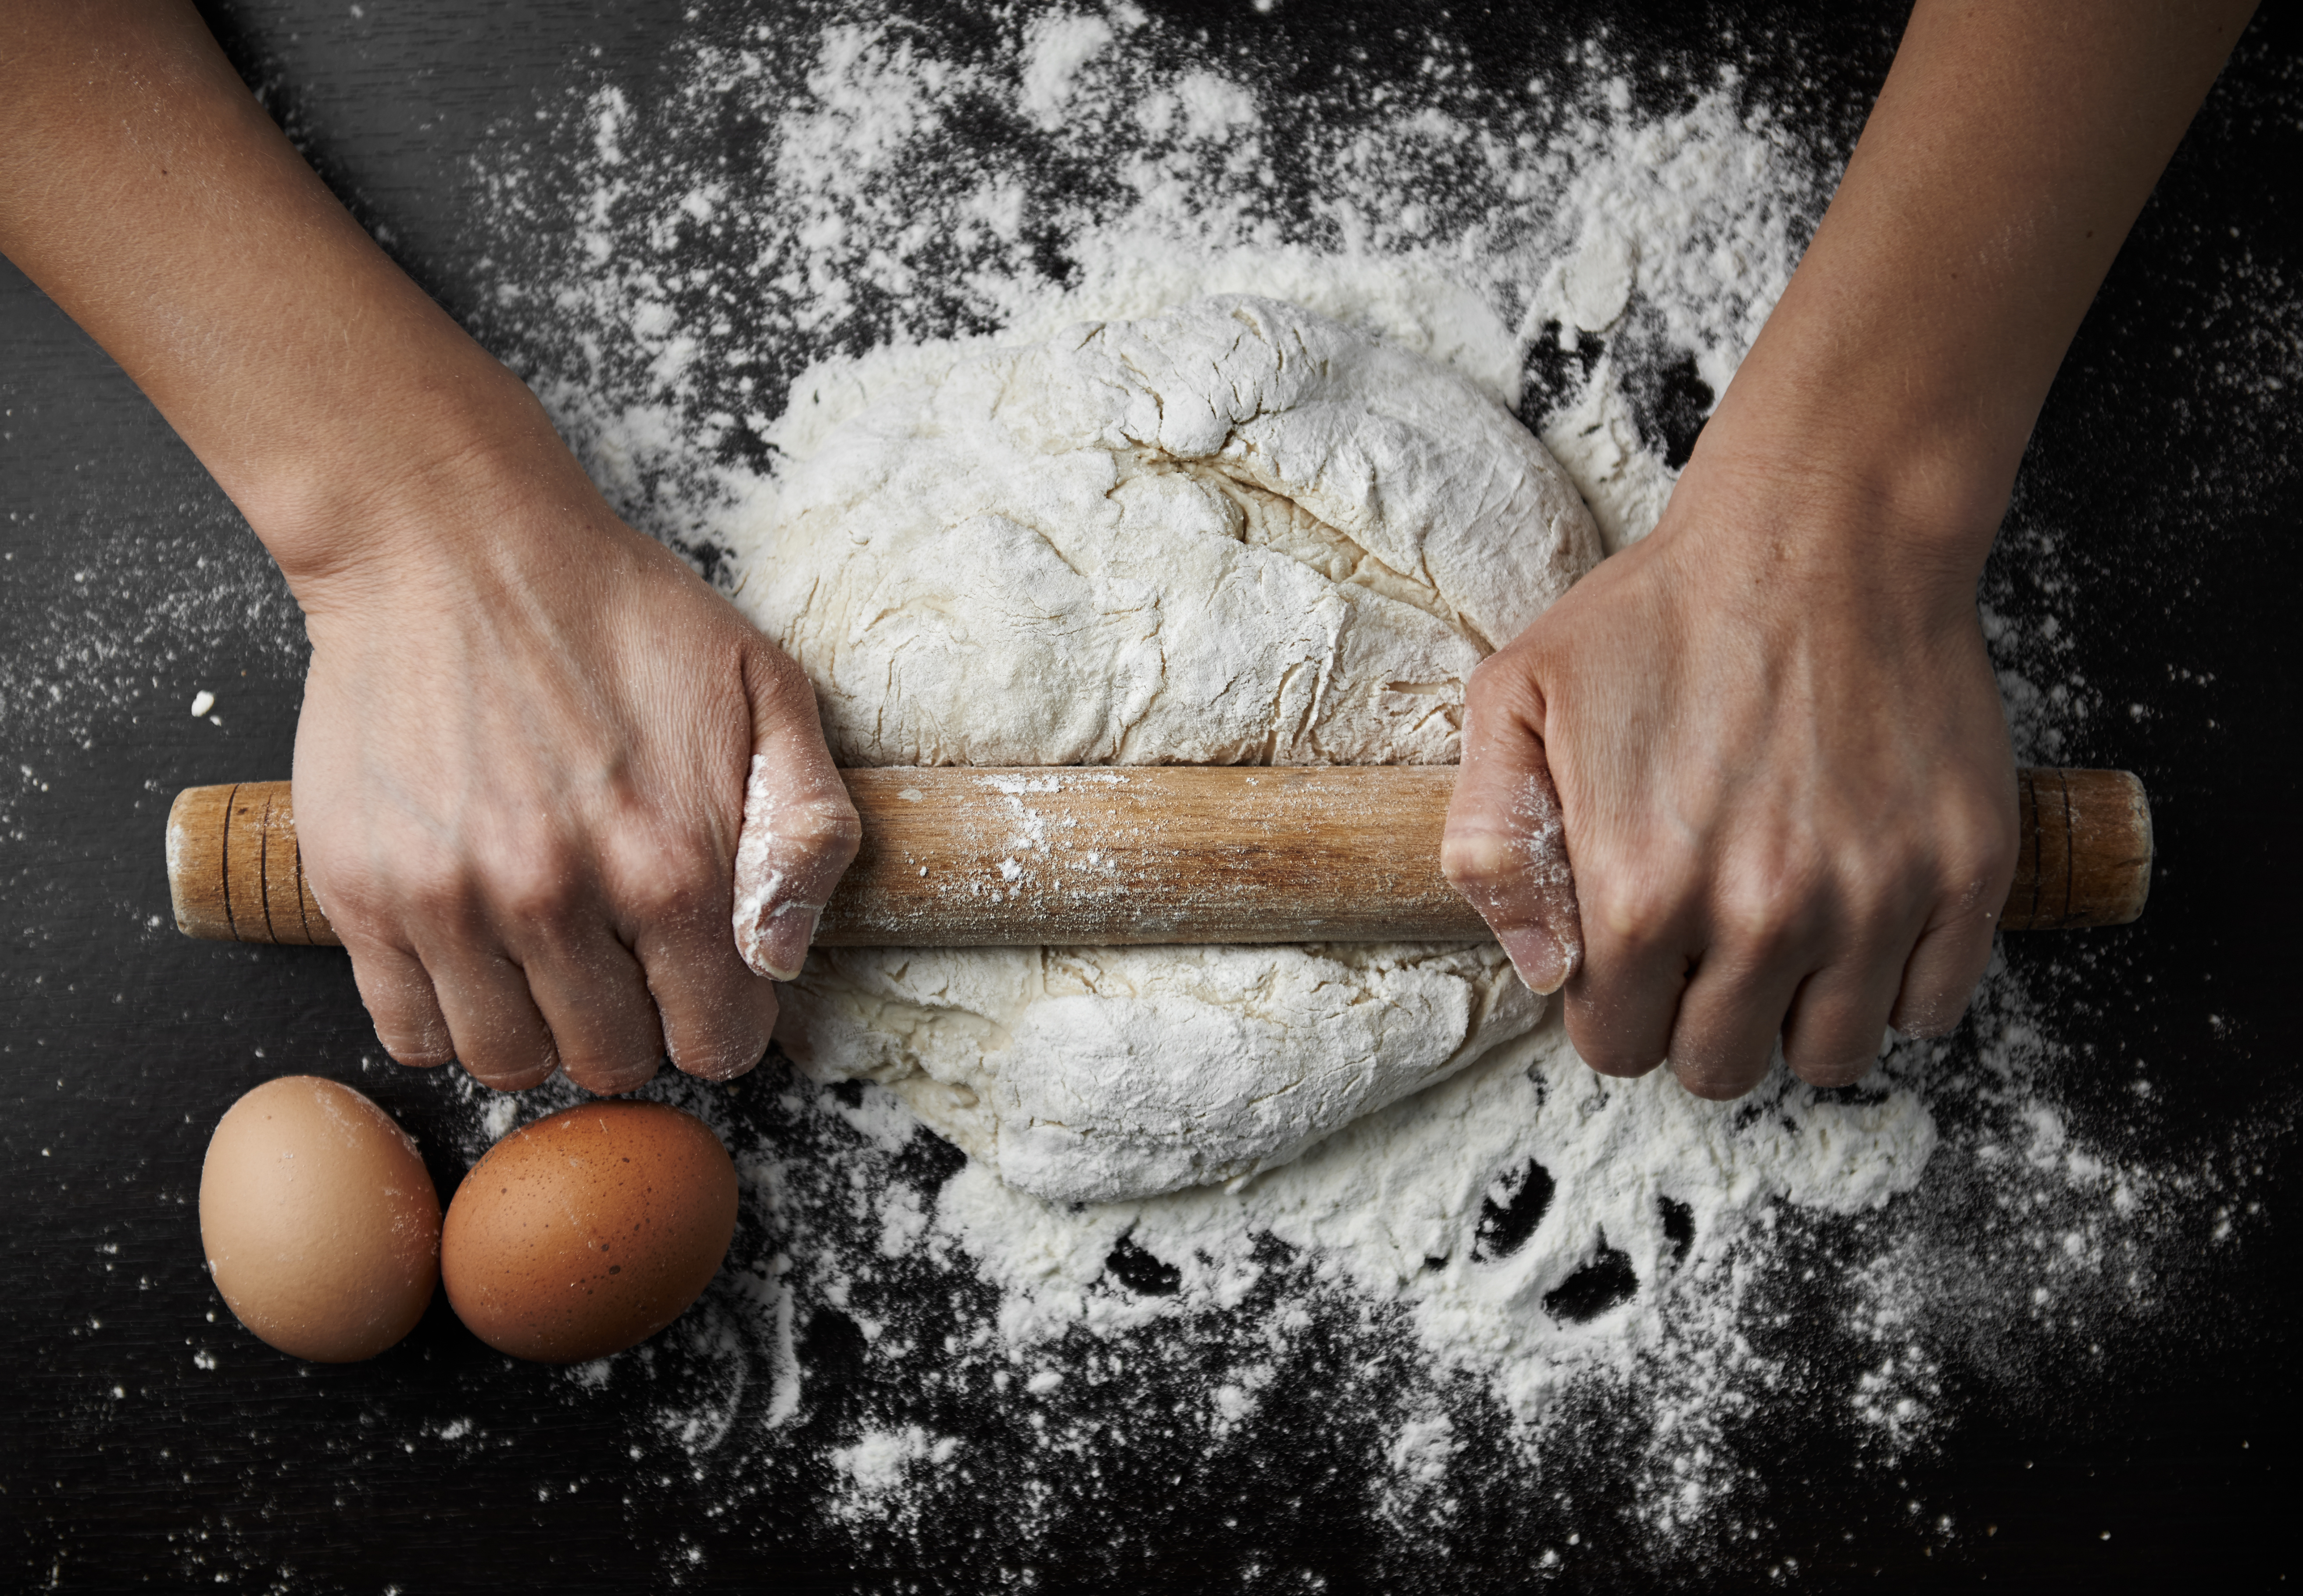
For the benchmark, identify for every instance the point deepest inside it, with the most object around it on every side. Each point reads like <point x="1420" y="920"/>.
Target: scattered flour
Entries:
<point x="1531" y="1316"/>
<point x="1637" y="1198"/>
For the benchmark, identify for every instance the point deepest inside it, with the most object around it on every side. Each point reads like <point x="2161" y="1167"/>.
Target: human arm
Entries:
<point x="1769" y="730"/>
<point x="521" y="764"/>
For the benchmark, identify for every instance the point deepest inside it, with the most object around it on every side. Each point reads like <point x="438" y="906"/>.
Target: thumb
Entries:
<point x="1505" y="845"/>
<point x="800" y="829"/>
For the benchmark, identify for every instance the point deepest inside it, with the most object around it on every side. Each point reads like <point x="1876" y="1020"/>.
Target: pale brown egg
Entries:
<point x="588" y="1232"/>
<point x="321" y="1226"/>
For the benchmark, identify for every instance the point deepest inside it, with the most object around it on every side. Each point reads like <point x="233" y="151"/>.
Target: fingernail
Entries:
<point x="627" y="1079"/>
<point x="518" y="1082"/>
<point x="783" y="942"/>
<point x="721" y="1072"/>
<point x="1538" y="957"/>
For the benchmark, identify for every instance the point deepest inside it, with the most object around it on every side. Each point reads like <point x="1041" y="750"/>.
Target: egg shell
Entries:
<point x="588" y="1232"/>
<point x="321" y="1226"/>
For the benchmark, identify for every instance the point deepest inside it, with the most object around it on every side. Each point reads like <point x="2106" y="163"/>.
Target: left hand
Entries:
<point x="1783" y="774"/>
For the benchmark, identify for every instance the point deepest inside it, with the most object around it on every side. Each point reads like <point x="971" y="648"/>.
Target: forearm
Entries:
<point x="2010" y="151"/>
<point x="146" y="191"/>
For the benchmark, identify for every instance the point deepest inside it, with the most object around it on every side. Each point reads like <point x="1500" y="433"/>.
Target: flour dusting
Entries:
<point x="1554" y="1319"/>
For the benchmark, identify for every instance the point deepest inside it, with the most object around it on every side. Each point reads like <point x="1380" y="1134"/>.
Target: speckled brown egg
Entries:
<point x="322" y="1227"/>
<point x="588" y="1232"/>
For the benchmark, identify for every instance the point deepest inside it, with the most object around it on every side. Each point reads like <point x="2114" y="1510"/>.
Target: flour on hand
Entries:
<point x="1236" y="532"/>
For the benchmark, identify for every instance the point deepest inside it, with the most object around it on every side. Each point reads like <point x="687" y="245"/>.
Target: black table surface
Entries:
<point x="148" y="1440"/>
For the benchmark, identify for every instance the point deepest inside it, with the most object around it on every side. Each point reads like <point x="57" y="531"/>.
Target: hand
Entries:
<point x="1784" y="773"/>
<point x="520" y="771"/>
<point x="520" y="774"/>
<point x="1768" y="735"/>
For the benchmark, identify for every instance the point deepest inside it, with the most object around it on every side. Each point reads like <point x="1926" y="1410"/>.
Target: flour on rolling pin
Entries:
<point x="1136" y="855"/>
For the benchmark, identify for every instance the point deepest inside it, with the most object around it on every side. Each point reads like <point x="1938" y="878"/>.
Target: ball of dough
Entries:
<point x="1237" y="532"/>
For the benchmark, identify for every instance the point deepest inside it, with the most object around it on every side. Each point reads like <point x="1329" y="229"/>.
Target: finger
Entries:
<point x="1505" y="844"/>
<point x="400" y="1002"/>
<point x="1978" y="854"/>
<point x="1642" y="932"/>
<point x="1620" y="1011"/>
<point x="715" y="1015"/>
<point x="1729" y="1020"/>
<point x="500" y="1036"/>
<point x="1769" y="924"/>
<point x="1941" y="974"/>
<point x="800" y="830"/>
<point x="594" y="1001"/>
<point x="1839" y="1017"/>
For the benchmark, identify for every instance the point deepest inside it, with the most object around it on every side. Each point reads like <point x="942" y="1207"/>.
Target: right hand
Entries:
<point x="520" y="774"/>
<point x="521" y="770"/>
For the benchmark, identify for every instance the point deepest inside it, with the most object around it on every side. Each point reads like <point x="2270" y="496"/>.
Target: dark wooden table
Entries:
<point x="149" y="1441"/>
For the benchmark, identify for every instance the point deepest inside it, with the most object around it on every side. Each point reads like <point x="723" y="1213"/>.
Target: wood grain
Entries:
<point x="1169" y="853"/>
<point x="1147" y="854"/>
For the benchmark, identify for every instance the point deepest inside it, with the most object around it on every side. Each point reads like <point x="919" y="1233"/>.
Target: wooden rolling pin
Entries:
<point x="963" y="857"/>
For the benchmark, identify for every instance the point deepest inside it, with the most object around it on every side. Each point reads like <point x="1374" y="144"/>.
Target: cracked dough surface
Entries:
<point x="1235" y="533"/>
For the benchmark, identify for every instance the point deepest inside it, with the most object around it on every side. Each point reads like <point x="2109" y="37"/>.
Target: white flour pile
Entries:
<point x="1523" y="1315"/>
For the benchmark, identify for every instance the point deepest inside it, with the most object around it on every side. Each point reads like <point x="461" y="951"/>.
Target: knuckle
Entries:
<point x="535" y="893"/>
<point x="1639" y="915"/>
<point x="1500" y="687"/>
<point x="777" y="677"/>
<point x="783" y="699"/>
<point x="406" y="1016"/>
<point x="1481" y="861"/>
<point x="1490" y="675"/>
<point x="663" y="885"/>
<point x="1834" y="1038"/>
<point x="1977" y="852"/>
<point x="1486" y="684"/>
<point x="355" y="903"/>
<point x="1760" y="914"/>
<point x="1724" y="1052"/>
<point x="612" y="1043"/>
<point x="821" y="829"/>
<point x="437" y="891"/>
<point x="1877" y="884"/>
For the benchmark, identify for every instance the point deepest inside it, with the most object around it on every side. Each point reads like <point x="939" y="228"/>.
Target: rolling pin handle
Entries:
<point x="2085" y="849"/>
<point x="235" y="872"/>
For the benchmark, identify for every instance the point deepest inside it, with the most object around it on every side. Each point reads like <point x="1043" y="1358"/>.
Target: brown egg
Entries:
<point x="588" y="1232"/>
<point x="321" y="1226"/>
